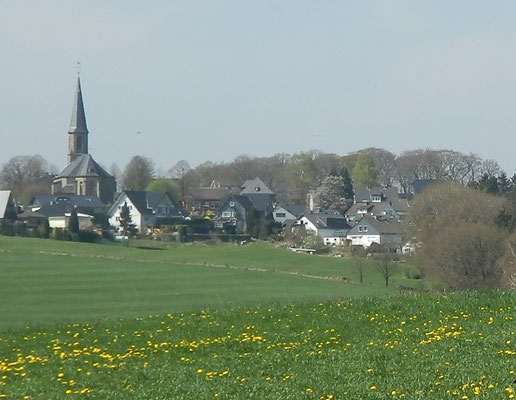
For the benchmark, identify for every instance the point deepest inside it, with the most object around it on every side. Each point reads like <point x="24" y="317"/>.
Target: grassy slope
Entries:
<point x="414" y="347"/>
<point x="48" y="281"/>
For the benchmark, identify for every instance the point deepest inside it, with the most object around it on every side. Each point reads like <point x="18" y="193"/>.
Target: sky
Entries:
<point x="210" y="80"/>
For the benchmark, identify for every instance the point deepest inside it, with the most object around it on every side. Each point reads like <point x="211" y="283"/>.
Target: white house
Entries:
<point x="332" y="227"/>
<point x="61" y="221"/>
<point x="6" y="205"/>
<point x="147" y="209"/>
<point x="285" y="214"/>
<point x="369" y="230"/>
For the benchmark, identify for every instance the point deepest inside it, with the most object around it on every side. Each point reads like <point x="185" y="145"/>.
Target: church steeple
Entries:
<point x="78" y="139"/>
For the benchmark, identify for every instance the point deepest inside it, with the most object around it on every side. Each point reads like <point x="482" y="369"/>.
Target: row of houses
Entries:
<point x="376" y="215"/>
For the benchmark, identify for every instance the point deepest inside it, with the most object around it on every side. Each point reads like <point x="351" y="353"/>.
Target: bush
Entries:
<point x="313" y="242"/>
<point x="412" y="273"/>
<point x="6" y="228"/>
<point x="87" y="236"/>
<point x="60" y="234"/>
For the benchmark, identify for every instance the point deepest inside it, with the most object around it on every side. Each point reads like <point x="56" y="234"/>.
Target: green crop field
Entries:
<point x="461" y="346"/>
<point x="45" y="281"/>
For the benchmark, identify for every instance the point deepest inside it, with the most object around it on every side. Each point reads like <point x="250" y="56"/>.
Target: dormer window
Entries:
<point x="376" y="198"/>
<point x="257" y="189"/>
<point x="232" y="204"/>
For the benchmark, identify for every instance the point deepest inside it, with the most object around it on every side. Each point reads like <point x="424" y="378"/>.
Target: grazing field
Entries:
<point x="45" y="281"/>
<point x="461" y="346"/>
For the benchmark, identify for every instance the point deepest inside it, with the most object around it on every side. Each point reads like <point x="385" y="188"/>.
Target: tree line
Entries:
<point x="292" y="177"/>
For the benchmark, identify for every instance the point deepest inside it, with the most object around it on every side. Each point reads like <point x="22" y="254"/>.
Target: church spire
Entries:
<point x="78" y="132"/>
<point x="78" y="123"/>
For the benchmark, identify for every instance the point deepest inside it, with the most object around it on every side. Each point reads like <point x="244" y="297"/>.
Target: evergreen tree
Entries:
<point x="128" y="228"/>
<point x="488" y="183"/>
<point x="44" y="229"/>
<point x="252" y="222"/>
<point x="349" y="193"/>
<point x="73" y="222"/>
<point x="504" y="184"/>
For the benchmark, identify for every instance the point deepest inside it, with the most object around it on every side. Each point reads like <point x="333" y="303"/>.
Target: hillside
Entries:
<point x="50" y="281"/>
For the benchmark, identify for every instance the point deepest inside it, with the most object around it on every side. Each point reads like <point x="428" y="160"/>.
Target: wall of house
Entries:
<point x="391" y="239"/>
<point x="137" y="219"/>
<point x="363" y="240"/>
<point x="281" y="215"/>
<point x="310" y="228"/>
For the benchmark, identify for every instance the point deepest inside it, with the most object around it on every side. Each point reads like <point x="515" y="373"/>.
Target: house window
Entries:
<point x="364" y="229"/>
<point x="118" y="219"/>
<point x="360" y="229"/>
<point x="226" y="214"/>
<point x="281" y="215"/>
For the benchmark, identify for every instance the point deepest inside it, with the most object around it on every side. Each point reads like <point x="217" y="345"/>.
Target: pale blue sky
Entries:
<point x="209" y="80"/>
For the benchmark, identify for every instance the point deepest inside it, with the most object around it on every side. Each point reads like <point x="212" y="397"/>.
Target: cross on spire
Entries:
<point x="78" y="67"/>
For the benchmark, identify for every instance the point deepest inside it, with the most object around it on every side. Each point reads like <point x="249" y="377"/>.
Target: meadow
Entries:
<point x="460" y="346"/>
<point x="46" y="281"/>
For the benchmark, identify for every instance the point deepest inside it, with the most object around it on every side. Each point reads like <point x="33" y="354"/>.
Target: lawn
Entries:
<point x="460" y="346"/>
<point x="45" y="281"/>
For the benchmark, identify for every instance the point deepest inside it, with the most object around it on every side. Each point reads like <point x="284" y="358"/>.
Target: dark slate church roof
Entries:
<point x="78" y="122"/>
<point x="84" y="165"/>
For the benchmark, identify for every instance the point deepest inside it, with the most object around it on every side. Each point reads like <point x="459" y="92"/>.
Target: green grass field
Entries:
<point x="461" y="346"/>
<point x="45" y="281"/>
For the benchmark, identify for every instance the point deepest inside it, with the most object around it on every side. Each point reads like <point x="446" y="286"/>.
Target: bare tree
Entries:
<point x="385" y="267"/>
<point x="179" y="169"/>
<point x="138" y="173"/>
<point x="467" y="257"/>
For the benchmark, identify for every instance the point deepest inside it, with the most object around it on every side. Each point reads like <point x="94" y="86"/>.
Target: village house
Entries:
<point x="232" y="214"/>
<point x="287" y="215"/>
<point x="148" y="210"/>
<point x="260" y="195"/>
<point x="377" y="202"/>
<point x="205" y="200"/>
<point x="331" y="226"/>
<point x="369" y="230"/>
<point x="58" y="215"/>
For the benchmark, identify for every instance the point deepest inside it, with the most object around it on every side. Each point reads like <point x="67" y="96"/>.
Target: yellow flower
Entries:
<point x="372" y="387"/>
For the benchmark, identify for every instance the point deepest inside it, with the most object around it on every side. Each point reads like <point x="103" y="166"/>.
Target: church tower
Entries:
<point x="78" y="132"/>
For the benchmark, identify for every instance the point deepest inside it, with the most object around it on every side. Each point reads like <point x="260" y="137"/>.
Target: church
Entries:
<point x="82" y="176"/>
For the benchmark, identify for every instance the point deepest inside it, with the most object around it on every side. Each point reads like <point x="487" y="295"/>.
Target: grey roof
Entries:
<point x="146" y="201"/>
<point x="328" y="220"/>
<point x="5" y="196"/>
<point x="74" y="199"/>
<point x="296" y="210"/>
<point x="30" y="214"/>
<point x="243" y="200"/>
<point x="370" y="208"/>
<point x="421" y="184"/>
<point x="263" y="203"/>
<point x="84" y="165"/>
<point x="78" y="122"/>
<point x="400" y="205"/>
<point x="381" y="225"/>
<point x="255" y="186"/>
<point x="55" y="210"/>
<point x="364" y="193"/>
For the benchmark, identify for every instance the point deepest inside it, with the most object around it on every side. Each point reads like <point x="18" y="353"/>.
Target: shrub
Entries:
<point x="87" y="236"/>
<point x="412" y="273"/>
<point x="60" y="234"/>
<point x="6" y="228"/>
